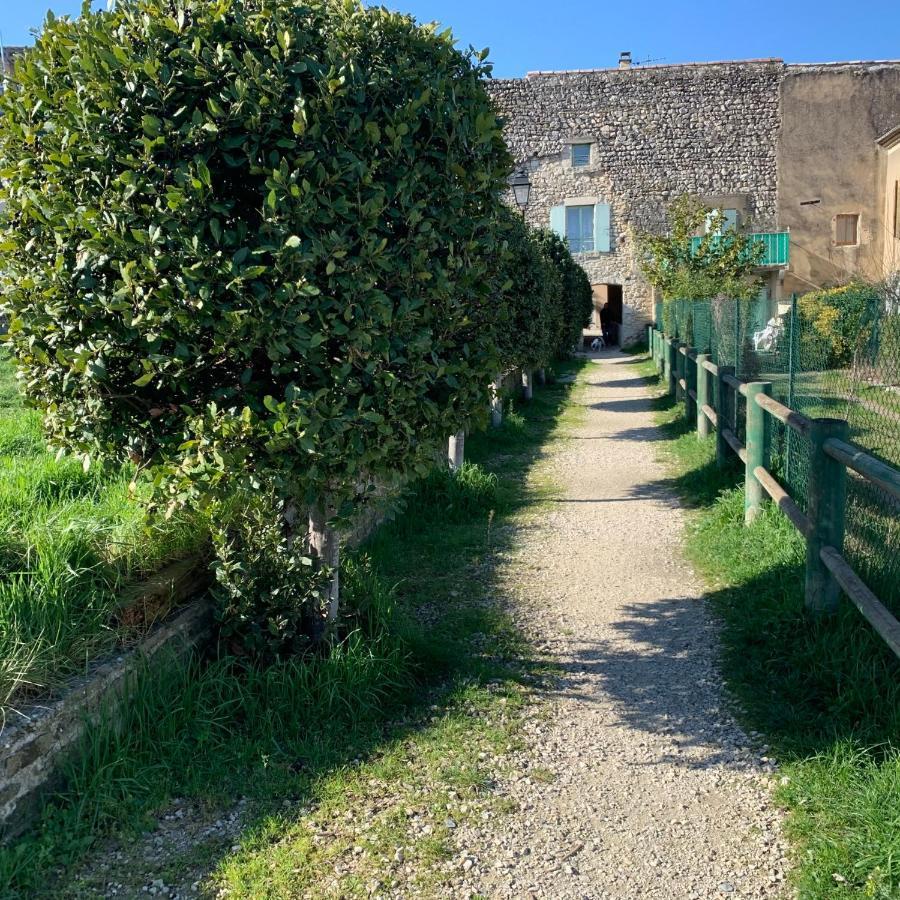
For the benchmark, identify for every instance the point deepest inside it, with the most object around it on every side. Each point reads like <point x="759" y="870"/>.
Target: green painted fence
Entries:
<point x="849" y="508"/>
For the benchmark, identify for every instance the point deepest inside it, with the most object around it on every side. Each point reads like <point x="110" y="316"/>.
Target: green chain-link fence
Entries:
<point x="834" y="354"/>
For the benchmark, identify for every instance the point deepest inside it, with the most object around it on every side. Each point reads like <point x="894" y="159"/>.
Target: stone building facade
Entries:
<point x="727" y="133"/>
<point x="831" y="171"/>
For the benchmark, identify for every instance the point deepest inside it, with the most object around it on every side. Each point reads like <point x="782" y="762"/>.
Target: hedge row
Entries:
<point x="260" y="245"/>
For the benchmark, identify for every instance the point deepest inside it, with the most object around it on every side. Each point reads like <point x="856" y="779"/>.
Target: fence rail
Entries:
<point x="710" y="393"/>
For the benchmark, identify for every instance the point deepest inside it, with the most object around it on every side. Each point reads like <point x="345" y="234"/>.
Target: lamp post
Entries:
<point x="521" y="188"/>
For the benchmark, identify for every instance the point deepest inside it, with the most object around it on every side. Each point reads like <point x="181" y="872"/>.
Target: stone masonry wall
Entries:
<point x="656" y="132"/>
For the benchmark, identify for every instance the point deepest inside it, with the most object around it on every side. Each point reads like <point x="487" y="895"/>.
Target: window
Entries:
<point x="729" y="222"/>
<point x="581" y="155"/>
<point x="846" y="230"/>
<point x="580" y="228"/>
<point x="584" y="222"/>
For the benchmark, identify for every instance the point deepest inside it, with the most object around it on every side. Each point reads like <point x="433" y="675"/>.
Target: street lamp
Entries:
<point x="521" y="188"/>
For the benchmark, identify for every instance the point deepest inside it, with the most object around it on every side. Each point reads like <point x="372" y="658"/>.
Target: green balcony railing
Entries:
<point x="777" y="246"/>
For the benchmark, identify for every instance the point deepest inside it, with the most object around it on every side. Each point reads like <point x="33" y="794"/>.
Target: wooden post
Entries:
<point x="527" y="384"/>
<point x="670" y="365"/>
<point x="325" y="545"/>
<point x="826" y="504"/>
<point x="540" y="376"/>
<point x="723" y="413"/>
<point x="757" y="449"/>
<point x="690" y="379"/>
<point x="702" y="397"/>
<point x="650" y="339"/>
<point x="456" y="450"/>
<point x="679" y="372"/>
<point x="497" y="402"/>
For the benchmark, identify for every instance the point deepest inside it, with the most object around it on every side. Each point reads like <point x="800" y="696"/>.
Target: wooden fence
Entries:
<point x="689" y="376"/>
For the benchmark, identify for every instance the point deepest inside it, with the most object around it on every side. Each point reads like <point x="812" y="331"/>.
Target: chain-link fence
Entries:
<point x="828" y="354"/>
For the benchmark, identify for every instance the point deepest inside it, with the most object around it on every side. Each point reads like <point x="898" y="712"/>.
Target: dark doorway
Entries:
<point x="611" y="315"/>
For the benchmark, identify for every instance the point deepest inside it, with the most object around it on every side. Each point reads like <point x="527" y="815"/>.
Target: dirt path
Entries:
<point x="639" y="783"/>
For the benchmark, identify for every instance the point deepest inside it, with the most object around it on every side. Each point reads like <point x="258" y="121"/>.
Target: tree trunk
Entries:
<point x="324" y="543"/>
<point x="540" y="376"/>
<point x="497" y="402"/>
<point x="456" y="451"/>
<point x="527" y="384"/>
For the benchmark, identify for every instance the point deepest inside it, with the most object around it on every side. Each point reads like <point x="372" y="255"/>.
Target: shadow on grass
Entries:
<point x="428" y="640"/>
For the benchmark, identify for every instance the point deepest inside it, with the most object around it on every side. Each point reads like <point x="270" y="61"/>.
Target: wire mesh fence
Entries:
<point x="828" y="354"/>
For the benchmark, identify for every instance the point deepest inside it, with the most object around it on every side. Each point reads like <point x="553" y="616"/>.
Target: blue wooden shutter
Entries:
<point x="601" y="227"/>
<point x="731" y="219"/>
<point x="558" y="220"/>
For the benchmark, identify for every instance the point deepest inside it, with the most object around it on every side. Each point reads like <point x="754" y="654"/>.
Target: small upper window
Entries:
<point x="846" y="230"/>
<point x="581" y="155"/>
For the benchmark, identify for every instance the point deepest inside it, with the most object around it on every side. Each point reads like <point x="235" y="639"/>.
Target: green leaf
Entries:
<point x="151" y="125"/>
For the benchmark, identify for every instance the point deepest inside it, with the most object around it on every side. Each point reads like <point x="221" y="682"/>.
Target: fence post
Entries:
<point x="527" y="384"/>
<point x="690" y="380"/>
<point x="671" y="361"/>
<point x="456" y="450"/>
<point x="679" y="371"/>
<point x="790" y="440"/>
<point x="702" y="397"/>
<point x="650" y="338"/>
<point x="723" y="413"/>
<point x="497" y="402"/>
<point x="757" y="449"/>
<point x="826" y="503"/>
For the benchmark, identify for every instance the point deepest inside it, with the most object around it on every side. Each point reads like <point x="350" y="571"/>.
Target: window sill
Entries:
<point x="591" y="254"/>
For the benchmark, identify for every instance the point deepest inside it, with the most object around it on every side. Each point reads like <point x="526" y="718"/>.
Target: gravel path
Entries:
<point x="639" y="783"/>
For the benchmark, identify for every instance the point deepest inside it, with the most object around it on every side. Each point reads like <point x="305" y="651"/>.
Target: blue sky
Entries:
<point x="572" y="34"/>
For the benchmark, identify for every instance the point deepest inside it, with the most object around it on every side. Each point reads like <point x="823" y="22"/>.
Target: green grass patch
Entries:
<point x="342" y="760"/>
<point x="69" y="541"/>
<point x="825" y="695"/>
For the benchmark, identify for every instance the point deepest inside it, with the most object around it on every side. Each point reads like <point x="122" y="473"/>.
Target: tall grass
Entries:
<point x="826" y="695"/>
<point x="69" y="540"/>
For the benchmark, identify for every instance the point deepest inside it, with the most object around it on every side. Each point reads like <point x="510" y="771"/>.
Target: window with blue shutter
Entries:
<point x="581" y="155"/>
<point x="580" y="228"/>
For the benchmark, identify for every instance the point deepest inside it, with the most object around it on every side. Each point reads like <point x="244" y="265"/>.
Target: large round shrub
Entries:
<point x="247" y="241"/>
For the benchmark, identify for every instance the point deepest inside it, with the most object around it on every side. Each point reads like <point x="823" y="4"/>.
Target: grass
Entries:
<point x="341" y="760"/>
<point x="825" y="696"/>
<point x="69" y="540"/>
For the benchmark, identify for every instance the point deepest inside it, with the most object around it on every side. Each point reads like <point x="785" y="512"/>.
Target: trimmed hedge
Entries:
<point x="248" y="241"/>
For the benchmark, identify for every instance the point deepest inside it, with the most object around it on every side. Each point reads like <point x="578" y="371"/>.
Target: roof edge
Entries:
<point x="767" y="60"/>
<point x="890" y="139"/>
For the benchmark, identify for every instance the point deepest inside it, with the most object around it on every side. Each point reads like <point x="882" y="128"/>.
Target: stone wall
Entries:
<point x="656" y="132"/>
<point x="35" y="742"/>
